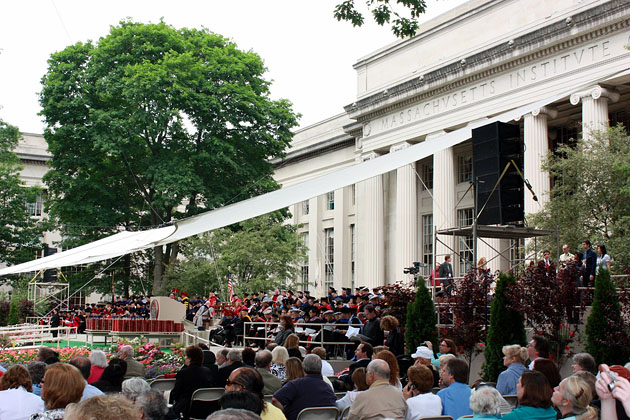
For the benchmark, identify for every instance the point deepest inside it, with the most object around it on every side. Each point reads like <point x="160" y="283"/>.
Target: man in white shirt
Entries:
<point x="327" y="369"/>
<point x="565" y="257"/>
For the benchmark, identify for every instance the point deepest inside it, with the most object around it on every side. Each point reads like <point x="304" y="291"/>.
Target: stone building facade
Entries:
<point x="477" y="61"/>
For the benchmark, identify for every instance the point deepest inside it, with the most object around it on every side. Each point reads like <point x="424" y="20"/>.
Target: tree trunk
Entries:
<point x="158" y="270"/>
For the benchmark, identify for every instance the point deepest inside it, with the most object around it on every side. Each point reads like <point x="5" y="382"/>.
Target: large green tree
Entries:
<point x="154" y="123"/>
<point x="590" y="197"/>
<point x="20" y="234"/>
<point x="261" y="253"/>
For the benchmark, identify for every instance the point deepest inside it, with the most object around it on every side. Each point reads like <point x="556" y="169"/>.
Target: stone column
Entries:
<point x="370" y="230"/>
<point x="444" y="212"/>
<point x="315" y="258"/>
<point x="341" y="269"/>
<point x="406" y="247"/>
<point x="536" y="149"/>
<point x="594" y="108"/>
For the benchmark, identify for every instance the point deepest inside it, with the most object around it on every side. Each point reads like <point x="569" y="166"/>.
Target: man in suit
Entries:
<point x="549" y="265"/>
<point x="192" y="376"/>
<point x="446" y="274"/>
<point x="363" y="355"/>
<point x="235" y="361"/>
<point x="271" y="383"/>
<point x="590" y="264"/>
<point x="134" y="368"/>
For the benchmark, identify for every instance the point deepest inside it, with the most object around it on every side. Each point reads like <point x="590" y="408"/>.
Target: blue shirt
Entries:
<point x="90" y="391"/>
<point x="506" y="384"/>
<point x="531" y="413"/>
<point x="455" y="400"/>
<point x="309" y="391"/>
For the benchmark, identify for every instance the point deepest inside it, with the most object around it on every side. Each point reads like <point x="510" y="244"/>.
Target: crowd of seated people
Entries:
<point x="269" y="384"/>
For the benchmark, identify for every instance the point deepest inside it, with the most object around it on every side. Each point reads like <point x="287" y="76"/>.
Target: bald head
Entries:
<point x="378" y="369"/>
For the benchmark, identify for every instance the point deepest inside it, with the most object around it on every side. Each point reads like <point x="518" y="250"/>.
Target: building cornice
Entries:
<point x="309" y="152"/>
<point x="567" y="33"/>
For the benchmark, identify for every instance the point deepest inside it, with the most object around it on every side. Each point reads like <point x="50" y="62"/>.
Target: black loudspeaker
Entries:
<point x="494" y="146"/>
<point x="50" y="276"/>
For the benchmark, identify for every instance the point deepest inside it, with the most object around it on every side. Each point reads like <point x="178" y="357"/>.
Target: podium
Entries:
<point x="164" y="308"/>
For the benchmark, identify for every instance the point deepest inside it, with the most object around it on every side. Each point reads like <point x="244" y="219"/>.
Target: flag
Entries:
<point x="230" y="289"/>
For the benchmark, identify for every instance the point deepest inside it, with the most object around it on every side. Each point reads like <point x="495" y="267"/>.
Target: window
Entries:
<point x="330" y="200"/>
<point x="304" y="266"/>
<point x="427" y="174"/>
<point x="427" y="243"/>
<point x="305" y="207"/>
<point x="465" y="218"/>
<point x="353" y="250"/>
<point x="35" y="209"/>
<point x="329" y="243"/>
<point x="354" y="194"/>
<point x="517" y="253"/>
<point x="465" y="168"/>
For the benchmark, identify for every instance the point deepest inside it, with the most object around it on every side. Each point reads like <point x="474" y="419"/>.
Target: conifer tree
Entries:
<point x="606" y="333"/>
<point x="421" y="319"/>
<point x="506" y="327"/>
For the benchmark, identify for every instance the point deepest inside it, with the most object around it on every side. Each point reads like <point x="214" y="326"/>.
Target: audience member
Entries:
<point x="98" y="358"/>
<point x="590" y="380"/>
<point x="294" y="369"/>
<point x="381" y="400"/>
<point x="249" y="356"/>
<point x="247" y="380"/>
<point x="83" y="364"/>
<point x="132" y="388"/>
<point x="363" y="355"/>
<point x="103" y="407"/>
<point x="358" y="378"/>
<point x="62" y="385"/>
<point x="538" y="348"/>
<point x="584" y="362"/>
<point x="394" y="370"/>
<point x="327" y="369"/>
<point x="394" y="341"/>
<point x="513" y="359"/>
<point x="485" y="402"/>
<point x="235" y="361"/>
<point x="134" y="368"/>
<point x="47" y="355"/>
<point x="286" y="329"/>
<point x="36" y="370"/>
<point x="423" y="356"/>
<point x="614" y="394"/>
<point x="447" y="346"/>
<point x="534" y="397"/>
<point x="222" y="358"/>
<point x="573" y="398"/>
<point x="112" y="377"/>
<point x="190" y="378"/>
<point x="292" y="344"/>
<point x="152" y="405"/>
<point x="309" y="391"/>
<point x="242" y="401"/>
<point x="271" y="383"/>
<point x="372" y="327"/>
<point x="421" y="402"/>
<point x="233" y="414"/>
<point x="548" y="368"/>
<point x="16" y="399"/>
<point x="456" y="396"/>
<point x="280" y="357"/>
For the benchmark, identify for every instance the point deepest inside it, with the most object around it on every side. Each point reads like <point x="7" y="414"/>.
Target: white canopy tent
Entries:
<point x="128" y="242"/>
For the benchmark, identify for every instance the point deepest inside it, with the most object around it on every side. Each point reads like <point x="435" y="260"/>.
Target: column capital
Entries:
<point x="545" y="110"/>
<point x="595" y="92"/>
<point x="399" y="146"/>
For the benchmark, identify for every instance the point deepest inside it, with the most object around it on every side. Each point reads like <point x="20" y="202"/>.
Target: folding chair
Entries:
<point x="511" y="399"/>
<point x="436" y="418"/>
<point x="318" y="413"/>
<point x="340" y="395"/>
<point x="267" y="398"/>
<point x="162" y="384"/>
<point x="204" y="402"/>
<point x="345" y="413"/>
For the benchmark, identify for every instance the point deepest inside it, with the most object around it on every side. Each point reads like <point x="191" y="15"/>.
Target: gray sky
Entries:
<point x="309" y="55"/>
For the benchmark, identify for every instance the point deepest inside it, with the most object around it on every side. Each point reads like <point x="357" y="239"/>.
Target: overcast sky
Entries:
<point x="309" y="55"/>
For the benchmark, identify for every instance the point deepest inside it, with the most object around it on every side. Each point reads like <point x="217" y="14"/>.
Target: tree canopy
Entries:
<point x="401" y="14"/>
<point x="20" y="234"/>
<point x="590" y="198"/>
<point x="153" y="123"/>
<point x="260" y="253"/>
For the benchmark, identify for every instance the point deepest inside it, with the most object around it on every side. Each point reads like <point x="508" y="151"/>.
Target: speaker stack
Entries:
<point x="494" y="146"/>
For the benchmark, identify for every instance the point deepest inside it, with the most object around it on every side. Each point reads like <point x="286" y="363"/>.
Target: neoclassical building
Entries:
<point x="479" y="60"/>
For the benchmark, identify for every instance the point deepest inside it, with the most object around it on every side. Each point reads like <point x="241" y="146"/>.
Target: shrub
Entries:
<point x="421" y="319"/>
<point x="506" y="327"/>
